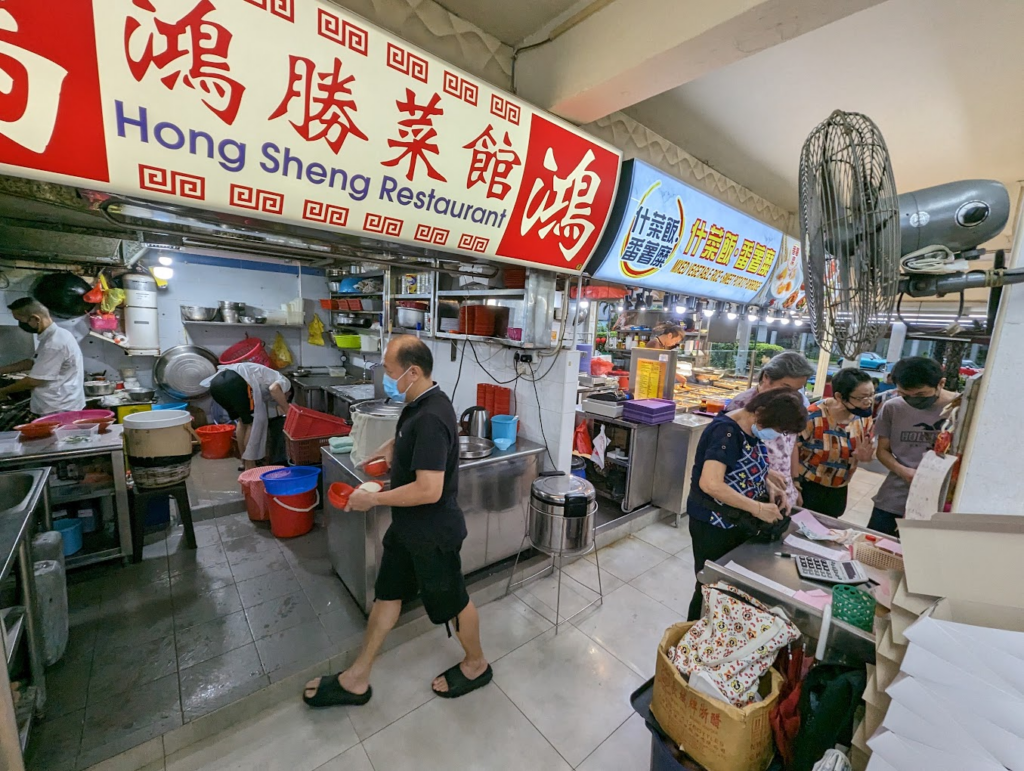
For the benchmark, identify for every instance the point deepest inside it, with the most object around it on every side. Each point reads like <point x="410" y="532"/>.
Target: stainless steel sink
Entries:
<point x="20" y="490"/>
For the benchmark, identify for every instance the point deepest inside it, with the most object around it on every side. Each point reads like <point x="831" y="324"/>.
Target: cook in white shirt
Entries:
<point x="55" y="373"/>
<point x="254" y="396"/>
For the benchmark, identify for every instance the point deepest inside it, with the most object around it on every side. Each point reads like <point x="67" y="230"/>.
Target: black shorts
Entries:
<point x="435" y="573"/>
<point x="231" y="392"/>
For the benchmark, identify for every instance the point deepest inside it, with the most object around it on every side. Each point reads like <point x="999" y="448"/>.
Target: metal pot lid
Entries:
<point x="555" y="489"/>
<point x="181" y="370"/>
<point x="379" y="408"/>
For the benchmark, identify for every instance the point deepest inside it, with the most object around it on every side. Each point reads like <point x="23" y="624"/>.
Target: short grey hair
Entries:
<point x="787" y="364"/>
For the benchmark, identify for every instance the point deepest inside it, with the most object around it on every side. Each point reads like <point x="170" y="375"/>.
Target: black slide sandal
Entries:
<point x="330" y="693"/>
<point x="460" y="685"/>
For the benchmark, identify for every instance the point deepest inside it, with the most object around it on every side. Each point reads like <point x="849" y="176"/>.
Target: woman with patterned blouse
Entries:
<point x="837" y="437"/>
<point x="788" y="370"/>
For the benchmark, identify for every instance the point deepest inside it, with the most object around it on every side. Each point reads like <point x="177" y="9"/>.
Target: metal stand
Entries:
<point x="558" y="555"/>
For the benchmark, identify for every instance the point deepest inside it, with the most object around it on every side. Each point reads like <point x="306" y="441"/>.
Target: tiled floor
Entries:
<point x="246" y="610"/>
<point x="157" y="644"/>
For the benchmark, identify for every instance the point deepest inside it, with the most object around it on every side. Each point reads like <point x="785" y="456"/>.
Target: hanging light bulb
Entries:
<point x="769" y="317"/>
<point x="784" y="320"/>
<point x="584" y="303"/>
<point x="165" y="260"/>
<point x="751" y="314"/>
<point x="163" y="273"/>
<point x="708" y="311"/>
<point x="798" y="322"/>
<point x="620" y="308"/>
<point x="680" y="309"/>
<point x="730" y="313"/>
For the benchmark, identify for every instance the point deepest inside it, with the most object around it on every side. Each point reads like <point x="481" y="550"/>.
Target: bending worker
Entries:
<point x="56" y="376"/>
<point x="254" y="396"/>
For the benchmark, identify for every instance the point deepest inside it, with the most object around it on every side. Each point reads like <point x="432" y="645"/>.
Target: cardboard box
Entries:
<point x="912" y="603"/>
<point x="972" y="557"/>
<point x="716" y="734"/>
<point x="872" y="694"/>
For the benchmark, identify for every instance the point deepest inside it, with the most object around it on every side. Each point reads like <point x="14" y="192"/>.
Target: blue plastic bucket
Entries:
<point x="70" y="530"/>
<point x="171" y="406"/>
<point x="290" y="481"/>
<point x="504" y="427"/>
<point x="579" y="467"/>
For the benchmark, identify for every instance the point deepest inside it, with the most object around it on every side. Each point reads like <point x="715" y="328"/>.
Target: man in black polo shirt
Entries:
<point x="421" y="548"/>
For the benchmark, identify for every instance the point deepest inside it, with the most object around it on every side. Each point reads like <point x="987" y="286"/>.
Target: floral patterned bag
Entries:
<point x="733" y="645"/>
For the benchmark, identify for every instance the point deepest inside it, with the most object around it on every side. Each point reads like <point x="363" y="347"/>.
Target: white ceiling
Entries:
<point x="511" y="21"/>
<point x="941" y="78"/>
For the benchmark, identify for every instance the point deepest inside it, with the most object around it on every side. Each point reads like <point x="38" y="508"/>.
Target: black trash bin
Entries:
<point x="665" y="756"/>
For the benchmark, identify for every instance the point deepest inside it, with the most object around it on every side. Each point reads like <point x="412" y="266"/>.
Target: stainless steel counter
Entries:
<point x="845" y="641"/>
<point x="673" y="465"/>
<point x="45" y="453"/>
<point x="24" y="491"/>
<point x="493" y="494"/>
<point x="642" y="448"/>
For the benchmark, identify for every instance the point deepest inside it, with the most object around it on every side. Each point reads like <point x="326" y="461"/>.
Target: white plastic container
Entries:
<point x="77" y="434"/>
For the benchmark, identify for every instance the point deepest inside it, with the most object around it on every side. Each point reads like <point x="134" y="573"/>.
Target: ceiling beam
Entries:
<point x="631" y="50"/>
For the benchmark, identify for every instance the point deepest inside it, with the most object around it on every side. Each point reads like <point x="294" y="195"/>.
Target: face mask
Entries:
<point x="766" y="434"/>
<point x="391" y="388"/>
<point x="921" y="402"/>
<point x="24" y="326"/>
<point x="860" y="412"/>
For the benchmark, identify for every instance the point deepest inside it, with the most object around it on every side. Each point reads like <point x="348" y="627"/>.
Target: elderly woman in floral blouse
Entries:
<point x="789" y="370"/>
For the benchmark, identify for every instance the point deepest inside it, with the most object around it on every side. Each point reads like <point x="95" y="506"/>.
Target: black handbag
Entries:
<point x="755" y="529"/>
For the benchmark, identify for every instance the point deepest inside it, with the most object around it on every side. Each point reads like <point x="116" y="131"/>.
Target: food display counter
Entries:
<point x="695" y="396"/>
<point x="493" y="494"/>
<point x="845" y="642"/>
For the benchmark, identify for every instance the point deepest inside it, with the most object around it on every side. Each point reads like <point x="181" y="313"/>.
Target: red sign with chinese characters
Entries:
<point x="294" y="111"/>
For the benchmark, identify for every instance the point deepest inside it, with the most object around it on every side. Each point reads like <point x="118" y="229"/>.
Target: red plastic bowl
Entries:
<point x="39" y="429"/>
<point x="69" y="418"/>
<point x="376" y="468"/>
<point x="338" y="494"/>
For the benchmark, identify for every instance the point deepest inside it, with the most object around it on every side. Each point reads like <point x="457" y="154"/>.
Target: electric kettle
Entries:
<point x="476" y="421"/>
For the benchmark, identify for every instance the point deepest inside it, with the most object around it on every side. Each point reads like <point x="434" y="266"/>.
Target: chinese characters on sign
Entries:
<point x="192" y="50"/>
<point x="293" y="112"/>
<point x="674" y="238"/>
<point x="325" y="103"/>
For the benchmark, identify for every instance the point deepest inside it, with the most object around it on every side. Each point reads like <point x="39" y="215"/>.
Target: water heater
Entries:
<point x="140" y="315"/>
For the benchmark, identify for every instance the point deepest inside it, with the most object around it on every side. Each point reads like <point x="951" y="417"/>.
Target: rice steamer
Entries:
<point x="373" y="423"/>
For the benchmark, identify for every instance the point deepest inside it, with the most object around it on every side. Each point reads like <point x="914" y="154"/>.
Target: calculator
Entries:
<point x="832" y="571"/>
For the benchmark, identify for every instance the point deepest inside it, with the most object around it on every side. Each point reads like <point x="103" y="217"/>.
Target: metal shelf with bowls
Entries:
<point x="481" y="293"/>
<point x="240" y="324"/>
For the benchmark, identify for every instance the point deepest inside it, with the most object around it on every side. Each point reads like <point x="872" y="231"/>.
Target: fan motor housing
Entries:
<point x="957" y="215"/>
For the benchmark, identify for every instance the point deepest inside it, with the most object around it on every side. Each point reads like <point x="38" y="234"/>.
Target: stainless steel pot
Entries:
<point x="141" y="395"/>
<point x="95" y="388"/>
<point x="410" y="317"/>
<point x="562" y="510"/>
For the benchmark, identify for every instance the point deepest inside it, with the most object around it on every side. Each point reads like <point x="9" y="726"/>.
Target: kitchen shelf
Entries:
<point x="239" y="324"/>
<point x="79" y="494"/>
<point x="482" y="293"/>
<point x="484" y="339"/>
<point x="124" y="347"/>
<point x="425" y="296"/>
<point x="356" y="294"/>
<point x="13" y="631"/>
<point x="78" y="560"/>
<point x="407" y="331"/>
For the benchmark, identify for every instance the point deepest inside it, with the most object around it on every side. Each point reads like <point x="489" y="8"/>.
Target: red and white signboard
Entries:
<point x="299" y="110"/>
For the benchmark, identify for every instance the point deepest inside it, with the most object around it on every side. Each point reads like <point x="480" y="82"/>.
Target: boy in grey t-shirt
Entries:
<point x="906" y="429"/>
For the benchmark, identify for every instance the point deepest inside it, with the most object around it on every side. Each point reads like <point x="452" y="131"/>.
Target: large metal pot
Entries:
<point x="562" y="510"/>
<point x="373" y="423"/>
<point x="94" y="388"/>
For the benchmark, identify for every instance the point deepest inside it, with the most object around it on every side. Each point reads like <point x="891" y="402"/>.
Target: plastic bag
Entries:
<point x="112" y="298"/>
<point x="600" y="445"/>
<point x="280" y="356"/>
<point x="581" y="443"/>
<point x="316" y="331"/>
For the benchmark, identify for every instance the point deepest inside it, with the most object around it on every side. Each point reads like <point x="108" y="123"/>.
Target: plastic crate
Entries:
<point x="304" y="423"/>
<point x="304" y="452"/>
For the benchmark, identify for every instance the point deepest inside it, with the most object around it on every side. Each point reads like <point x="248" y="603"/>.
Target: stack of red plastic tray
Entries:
<point x="497" y="400"/>
<point x="515" y="278"/>
<point x="477" y="320"/>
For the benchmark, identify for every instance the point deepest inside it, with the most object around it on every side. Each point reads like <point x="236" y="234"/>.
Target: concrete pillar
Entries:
<point x="774" y="337"/>
<point x="988" y="483"/>
<point x="915" y="347"/>
<point x="762" y="334"/>
<point x="742" y="344"/>
<point x="897" y="337"/>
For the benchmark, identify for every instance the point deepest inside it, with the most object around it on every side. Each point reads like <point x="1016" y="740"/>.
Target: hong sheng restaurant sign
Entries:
<point x="298" y="110"/>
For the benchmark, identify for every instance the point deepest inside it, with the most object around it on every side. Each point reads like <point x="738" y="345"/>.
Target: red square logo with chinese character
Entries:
<point x="564" y="200"/>
<point x="51" y="116"/>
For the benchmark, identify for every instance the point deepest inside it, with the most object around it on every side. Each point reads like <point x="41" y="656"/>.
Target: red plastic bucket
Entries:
<point x="256" y="503"/>
<point x="215" y="440"/>
<point x="292" y="515"/>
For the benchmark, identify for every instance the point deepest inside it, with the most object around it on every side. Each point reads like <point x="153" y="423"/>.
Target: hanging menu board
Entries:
<point x="666" y="235"/>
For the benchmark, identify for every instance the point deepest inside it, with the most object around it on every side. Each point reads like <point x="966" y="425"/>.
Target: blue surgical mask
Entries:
<point x="765" y="434"/>
<point x="391" y="387"/>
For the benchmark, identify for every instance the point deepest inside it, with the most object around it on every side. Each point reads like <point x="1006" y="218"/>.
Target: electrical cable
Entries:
<point x="458" y="377"/>
<point x="492" y="377"/>
<point x="540" y="419"/>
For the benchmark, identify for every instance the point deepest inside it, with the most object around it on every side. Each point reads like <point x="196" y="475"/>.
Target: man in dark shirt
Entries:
<point x="421" y="548"/>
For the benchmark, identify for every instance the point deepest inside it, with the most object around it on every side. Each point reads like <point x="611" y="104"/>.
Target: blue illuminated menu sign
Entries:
<point x="665" y="235"/>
